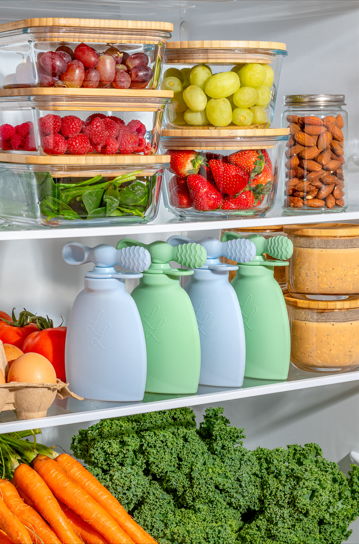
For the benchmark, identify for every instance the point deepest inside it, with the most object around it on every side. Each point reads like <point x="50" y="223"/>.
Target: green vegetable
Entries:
<point x="135" y="194"/>
<point x="111" y="198"/>
<point x="92" y="199"/>
<point x="189" y="485"/>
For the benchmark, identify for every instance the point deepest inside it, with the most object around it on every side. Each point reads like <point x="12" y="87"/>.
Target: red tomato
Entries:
<point x="15" y="335"/>
<point x="6" y="316"/>
<point x="51" y="344"/>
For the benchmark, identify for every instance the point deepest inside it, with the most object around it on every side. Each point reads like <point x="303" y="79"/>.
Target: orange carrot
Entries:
<point x="71" y="494"/>
<point x="4" y="539"/>
<point x="88" y="534"/>
<point x="23" y="495"/>
<point x="38" y="528"/>
<point x="46" y="504"/>
<point x="97" y="491"/>
<point x="12" y="526"/>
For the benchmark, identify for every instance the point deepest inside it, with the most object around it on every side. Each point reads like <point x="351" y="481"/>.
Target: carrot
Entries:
<point x="23" y="495"/>
<point x="71" y="494"/>
<point x="38" y="528"/>
<point x="83" y="530"/>
<point x="12" y="526"/>
<point x="4" y="539"/>
<point x="46" y="504"/>
<point x="97" y="491"/>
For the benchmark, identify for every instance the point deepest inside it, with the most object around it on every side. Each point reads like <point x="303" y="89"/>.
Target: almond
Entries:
<point x="313" y="176"/>
<point x="290" y="142"/>
<point x="299" y="172"/>
<point x="330" y="201"/>
<point x="336" y="133"/>
<point x="338" y="193"/>
<point x="314" y="129"/>
<point x="290" y="192"/>
<point x="304" y="139"/>
<point x="309" y="152"/>
<point x="309" y="120"/>
<point x="340" y="121"/>
<point x="312" y="193"/>
<point x="329" y="120"/>
<point x="292" y="183"/>
<point x="325" y="191"/>
<point x="324" y="140"/>
<point x="294" y="128"/>
<point x="334" y="157"/>
<point x="292" y="163"/>
<point x="329" y="179"/>
<point x="315" y="203"/>
<point x="332" y="165"/>
<point x="295" y="202"/>
<point x="340" y="202"/>
<point x="340" y="175"/>
<point x="292" y="118"/>
<point x="337" y="148"/>
<point x="311" y="166"/>
<point x="324" y="157"/>
<point x="294" y="150"/>
<point x="290" y="174"/>
<point x="300" y="194"/>
<point x="303" y="186"/>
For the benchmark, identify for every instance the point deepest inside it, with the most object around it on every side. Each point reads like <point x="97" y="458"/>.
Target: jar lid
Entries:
<point x="314" y="100"/>
<point x="84" y="93"/>
<point x="347" y="302"/>
<point x="94" y="159"/>
<point x="219" y="44"/>
<point x="323" y="230"/>
<point x="103" y="24"/>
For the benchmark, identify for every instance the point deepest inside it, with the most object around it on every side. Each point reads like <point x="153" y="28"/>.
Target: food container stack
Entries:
<point x="225" y="158"/>
<point x="80" y="121"/>
<point x="323" y="296"/>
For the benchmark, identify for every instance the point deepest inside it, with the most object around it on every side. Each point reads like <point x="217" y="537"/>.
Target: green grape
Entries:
<point x="269" y="80"/>
<point x="177" y="103"/>
<point x="222" y="85"/>
<point x="199" y="75"/>
<point x="242" y="117"/>
<point x="196" y="118"/>
<point x="185" y="76"/>
<point x="172" y="84"/>
<point x="237" y="67"/>
<point x="219" y="112"/>
<point x="173" y="72"/>
<point x="175" y="117"/>
<point x="264" y="96"/>
<point x="230" y="99"/>
<point x="246" y="97"/>
<point x="259" y="115"/>
<point x="195" y="98"/>
<point x="252" y="75"/>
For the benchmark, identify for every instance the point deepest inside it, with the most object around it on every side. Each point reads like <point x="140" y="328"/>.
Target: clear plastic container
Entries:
<point x="29" y="53"/>
<point x="221" y="83"/>
<point x="59" y="121"/>
<point x="316" y="159"/>
<point x="43" y="192"/>
<point x="325" y="260"/>
<point x="324" y="334"/>
<point x="232" y="185"/>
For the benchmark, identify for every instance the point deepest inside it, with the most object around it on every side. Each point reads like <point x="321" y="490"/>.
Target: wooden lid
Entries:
<point x="94" y="159"/>
<point x="85" y="93"/>
<point x="103" y="24"/>
<point x="269" y="228"/>
<point x="209" y="44"/>
<point x="305" y="302"/>
<point x="323" y="230"/>
<point x="220" y="132"/>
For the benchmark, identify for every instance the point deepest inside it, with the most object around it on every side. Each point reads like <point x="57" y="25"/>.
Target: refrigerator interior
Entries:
<point x="322" y="38"/>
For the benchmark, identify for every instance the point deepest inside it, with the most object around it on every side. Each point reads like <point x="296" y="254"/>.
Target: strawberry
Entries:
<point x="229" y="178"/>
<point x="243" y="201"/>
<point x="184" y="163"/>
<point x="251" y="161"/>
<point x="266" y="176"/>
<point x="175" y="182"/>
<point x="179" y="194"/>
<point x="266" y="157"/>
<point x="205" y="196"/>
<point x="206" y="172"/>
<point x="216" y="156"/>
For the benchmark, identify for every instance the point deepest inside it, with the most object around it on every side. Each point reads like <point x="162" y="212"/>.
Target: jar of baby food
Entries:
<point x="324" y="333"/>
<point x="325" y="260"/>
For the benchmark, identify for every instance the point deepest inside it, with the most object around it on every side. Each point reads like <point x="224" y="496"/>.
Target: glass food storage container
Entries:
<point x="325" y="260"/>
<point x="266" y="232"/>
<point x="37" y="191"/>
<point x="238" y="172"/>
<point x="221" y="83"/>
<point x="324" y="333"/>
<point x="315" y="168"/>
<point x="80" y="121"/>
<point x="90" y="53"/>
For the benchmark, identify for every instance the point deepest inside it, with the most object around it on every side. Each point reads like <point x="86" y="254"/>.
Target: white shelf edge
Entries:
<point x="131" y="409"/>
<point x="180" y="226"/>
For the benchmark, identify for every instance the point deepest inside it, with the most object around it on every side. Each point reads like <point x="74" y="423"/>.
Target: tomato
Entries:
<point x="51" y="344"/>
<point x="9" y="334"/>
<point x="4" y="315"/>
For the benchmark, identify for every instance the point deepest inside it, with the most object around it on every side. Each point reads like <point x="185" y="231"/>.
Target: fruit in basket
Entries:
<point x="196" y="118"/>
<point x="264" y="179"/>
<point x="199" y="75"/>
<point x="78" y="145"/>
<point x="106" y="68"/>
<point x="110" y="146"/>
<point x="264" y="96"/>
<point x="195" y="98"/>
<point x="112" y="128"/>
<point x="128" y="142"/>
<point x="24" y="129"/>
<point x="137" y="59"/>
<point x="205" y="195"/>
<point x="122" y="80"/>
<point x="140" y="77"/>
<point x="45" y="79"/>
<point x="95" y="130"/>
<point x="87" y="55"/>
<point x="74" y="75"/>
<point x="67" y="50"/>
<point x="185" y="76"/>
<point x="246" y="97"/>
<point x="178" y="193"/>
<point x="53" y="63"/>
<point x="6" y="131"/>
<point x="172" y="84"/>
<point x="177" y="103"/>
<point x="251" y="161"/>
<point x="229" y="179"/>
<point x="222" y="85"/>
<point x="50" y="124"/>
<point x="71" y="126"/>
<point x="242" y="117"/>
<point x="219" y="112"/>
<point x="259" y="115"/>
<point x="54" y="144"/>
<point x="17" y="142"/>
<point x="173" y="72"/>
<point x="136" y="126"/>
<point x="65" y="56"/>
<point x="91" y="79"/>
<point x="243" y="201"/>
<point x="269" y="80"/>
<point x="252" y="75"/>
<point x="115" y="53"/>
<point x="184" y="163"/>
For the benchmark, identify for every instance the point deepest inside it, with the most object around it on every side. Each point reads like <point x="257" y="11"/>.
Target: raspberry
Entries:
<point x="141" y="145"/>
<point x="30" y="144"/>
<point x="128" y="142"/>
<point x="78" y="145"/>
<point x="6" y="131"/>
<point x="92" y="148"/>
<point x="24" y="129"/>
<point x="5" y="145"/>
<point x="137" y="127"/>
<point x="50" y="124"/>
<point x="93" y="116"/>
<point x="17" y="142"/>
<point x="116" y="119"/>
<point x="96" y="132"/>
<point x="148" y="149"/>
<point x="112" y="128"/>
<point x="71" y="126"/>
<point x="55" y="144"/>
<point x="110" y="147"/>
<point x="98" y="148"/>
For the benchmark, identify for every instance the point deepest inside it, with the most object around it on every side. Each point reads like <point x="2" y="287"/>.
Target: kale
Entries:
<point x="199" y="485"/>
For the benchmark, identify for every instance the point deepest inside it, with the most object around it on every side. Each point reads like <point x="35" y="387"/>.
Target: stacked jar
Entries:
<point x="323" y="296"/>
<point x="80" y="121"/>
<point x="225" y="160"/>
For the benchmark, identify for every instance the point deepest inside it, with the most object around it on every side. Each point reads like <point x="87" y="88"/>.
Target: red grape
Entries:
<point x="124" y="57"/>
<point x="115" y="53"/>
<point x="137" y="59"/>
<point x="85" y="54"/>
<point x="39" y="55"/>
<point x="141" y="74"/>
<point x="122" y="80"/>
<point x="53" y="63"/>
<point x="74" y="75"/>
<point x="135" y="85"/>
<point x="92" y="78"/>
<point x="104" y="85"/>
<point x="67" y="50"/>
<point x="67" y="58"/>
<point x="106" y="67"/>
<point x="45" y="79"/>
<point x="121" y="68"/>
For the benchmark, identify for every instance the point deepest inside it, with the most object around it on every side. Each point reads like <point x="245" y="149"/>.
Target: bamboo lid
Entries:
<point x="269" y="228"/>
<point x="103" y="24"/>
<point x="305" y="302"/>
<point x="94" y="159"/>
<point x="213" y="132"/>
<point x="209" y="44"/>
<point x="323" y="230"/>
<point x="85" y="93"/>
